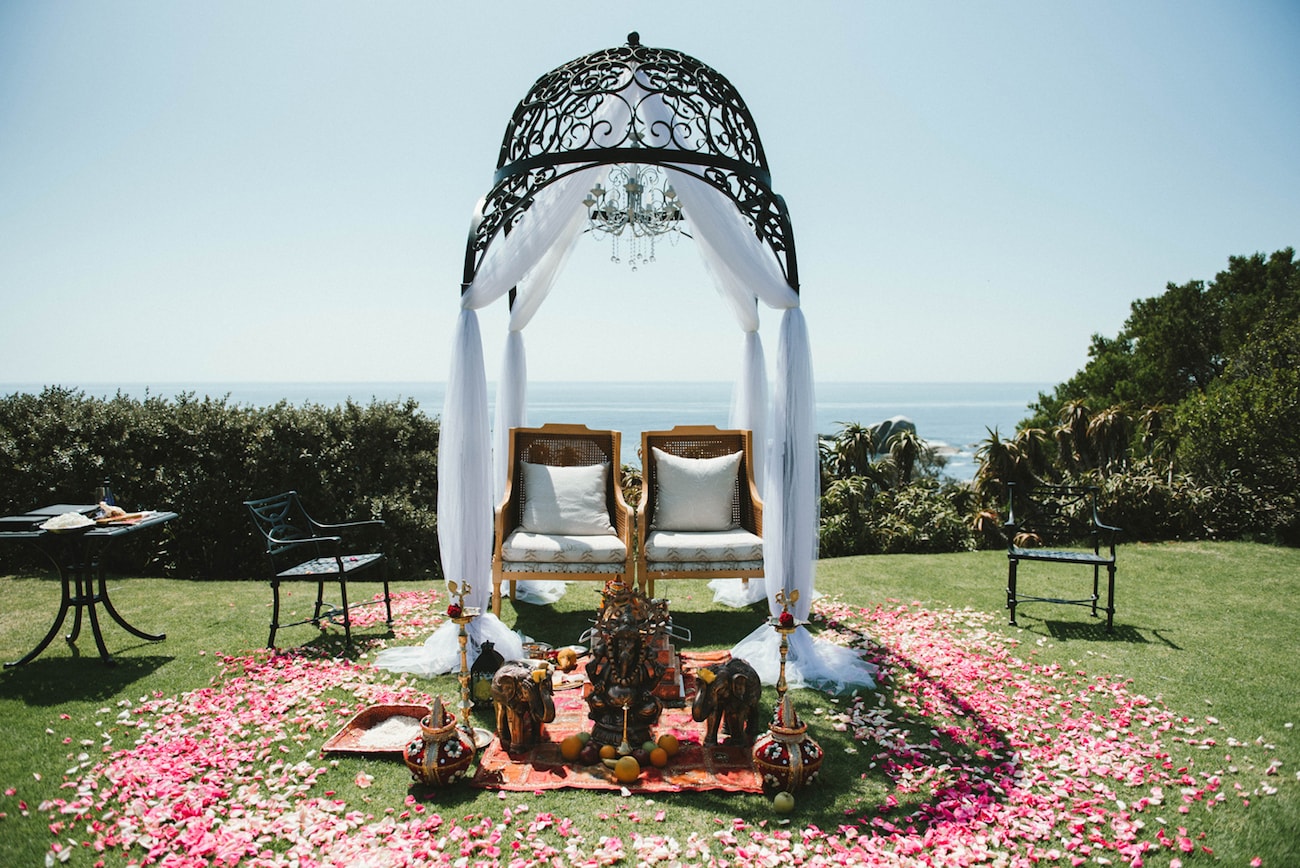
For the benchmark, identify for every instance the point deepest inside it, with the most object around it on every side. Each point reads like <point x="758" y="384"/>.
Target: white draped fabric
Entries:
<point x="464" y="514"/>
<point x="512" y="412"/>
<point x="512" y="390"/>
<point x="790" y="518"/>
<point x="466" y="493"/>
<point x="511" y="406"/>
<point x="745" y="272"/>
<point x="749" y="403"/>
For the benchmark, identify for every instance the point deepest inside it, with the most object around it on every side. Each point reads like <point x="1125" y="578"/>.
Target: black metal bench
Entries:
<point x="1059" y="524"/>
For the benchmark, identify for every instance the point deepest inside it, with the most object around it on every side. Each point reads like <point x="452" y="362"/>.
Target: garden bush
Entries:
<point x="920" y="518"/>
<point x="202" y="457"/>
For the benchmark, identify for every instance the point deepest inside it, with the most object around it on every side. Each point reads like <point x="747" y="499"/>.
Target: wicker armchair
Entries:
<point x="525" y="553"/>
<point x="683" y="552"/>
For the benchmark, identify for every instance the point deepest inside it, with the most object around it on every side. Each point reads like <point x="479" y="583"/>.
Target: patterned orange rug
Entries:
<point x="695" y="767"/>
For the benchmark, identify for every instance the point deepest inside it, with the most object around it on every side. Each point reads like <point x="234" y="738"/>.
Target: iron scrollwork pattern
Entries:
<point x="573" y="118"/>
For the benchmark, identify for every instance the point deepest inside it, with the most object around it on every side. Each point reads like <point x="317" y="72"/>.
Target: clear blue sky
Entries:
<point x="234" y="191"/>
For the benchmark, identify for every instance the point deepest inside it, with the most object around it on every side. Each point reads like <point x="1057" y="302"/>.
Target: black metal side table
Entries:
<point x="79" y="557"/>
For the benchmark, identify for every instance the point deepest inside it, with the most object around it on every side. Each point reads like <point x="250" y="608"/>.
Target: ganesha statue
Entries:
<point x="624" y="669"/>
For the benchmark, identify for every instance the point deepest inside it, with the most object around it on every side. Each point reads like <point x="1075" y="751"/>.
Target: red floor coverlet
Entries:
<point x="695" y="767"/>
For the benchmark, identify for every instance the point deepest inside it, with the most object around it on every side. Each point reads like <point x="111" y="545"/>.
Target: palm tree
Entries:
<point x="905" y="448"/>
<point x="997" y="466"/>
<point x="852" y="450"/>
<point x="1108" y="436"/>
<point x="1152" y="423"/>
<point x="847" y="503"/>
<point x="1031" y="444"/>
<point x="1157" y="441"/>
<point x="1072" y="435"/>
<point x="1023" y="461"/>
<point x="1064" y="449"/>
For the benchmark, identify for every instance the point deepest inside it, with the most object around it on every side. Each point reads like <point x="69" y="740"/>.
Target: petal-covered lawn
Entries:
<point x="988" y="759"/>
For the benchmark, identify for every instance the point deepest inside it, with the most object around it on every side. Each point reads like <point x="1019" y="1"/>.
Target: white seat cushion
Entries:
<point x="546" y="548"/>
<point x="672" y="546"/>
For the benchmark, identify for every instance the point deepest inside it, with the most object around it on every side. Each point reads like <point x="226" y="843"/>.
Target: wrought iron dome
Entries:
<point x="699" y="125"/>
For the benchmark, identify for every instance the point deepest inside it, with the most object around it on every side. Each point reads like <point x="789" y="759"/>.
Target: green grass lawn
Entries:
<point x="1210" y="629"/>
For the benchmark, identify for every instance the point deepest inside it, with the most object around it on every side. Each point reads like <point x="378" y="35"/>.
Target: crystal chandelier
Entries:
<point x="635" y="209"/>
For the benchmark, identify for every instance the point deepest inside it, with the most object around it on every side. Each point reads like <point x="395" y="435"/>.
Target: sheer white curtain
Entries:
<point x="464" y="512"/>
<point x="466" y="490"/>
<point x="467" y="486"/>
<point x="511" y="406"/>
<point x="563" y="207"/>
<point x="512" y="389"/>
<point x="749" y="402"/>
<point x="790" y="527"/>
<point x="512" y="412"/>
<point x="745" y="268"/>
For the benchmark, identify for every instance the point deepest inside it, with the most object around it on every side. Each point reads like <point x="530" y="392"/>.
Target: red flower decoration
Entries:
<point x="786" y="620"/>
<point x="453" y="611"/>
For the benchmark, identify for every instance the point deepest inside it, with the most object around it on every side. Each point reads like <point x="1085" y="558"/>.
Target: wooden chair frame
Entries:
<point x="697" y="441"/>
<point x="559" y="446"/>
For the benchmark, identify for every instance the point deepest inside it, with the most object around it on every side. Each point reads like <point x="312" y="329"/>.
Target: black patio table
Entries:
<point x="79" y="557"/>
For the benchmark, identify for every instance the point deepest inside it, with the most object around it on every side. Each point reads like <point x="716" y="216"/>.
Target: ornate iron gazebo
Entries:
<point x="641" y="107"/>
<point x="699" y="125"/>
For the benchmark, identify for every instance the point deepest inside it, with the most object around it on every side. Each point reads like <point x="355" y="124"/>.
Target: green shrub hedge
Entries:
<point x="202" y="457"/>
<point x="921" y="518"/>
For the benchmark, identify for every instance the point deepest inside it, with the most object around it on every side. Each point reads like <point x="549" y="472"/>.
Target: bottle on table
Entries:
<point x="104" y="495"/>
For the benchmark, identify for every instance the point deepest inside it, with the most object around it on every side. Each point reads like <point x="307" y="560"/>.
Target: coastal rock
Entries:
<point x="882" y="431"/>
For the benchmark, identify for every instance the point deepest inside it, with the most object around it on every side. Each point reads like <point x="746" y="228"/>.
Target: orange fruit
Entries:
<point x="571" y="747"/>
<point x="608" y="751"/>
<point x="566" y="659"/>
<point x="627" y="769"/>
<point x="670" y="744"/>
<point x="658" y="757"/>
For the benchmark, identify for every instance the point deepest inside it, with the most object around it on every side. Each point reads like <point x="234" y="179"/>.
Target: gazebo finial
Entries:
<point x="634" y="39"/>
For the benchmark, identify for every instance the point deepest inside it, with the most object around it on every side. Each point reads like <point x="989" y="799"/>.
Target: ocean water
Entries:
<point x="956" y="416"/>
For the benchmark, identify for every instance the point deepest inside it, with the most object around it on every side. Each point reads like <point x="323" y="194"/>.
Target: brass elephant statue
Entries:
<point x="727" y="696"/>
<point x="524" y="700"/>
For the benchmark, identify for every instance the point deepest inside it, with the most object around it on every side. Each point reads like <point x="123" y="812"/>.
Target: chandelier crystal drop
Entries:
<point x="637" y="208"/>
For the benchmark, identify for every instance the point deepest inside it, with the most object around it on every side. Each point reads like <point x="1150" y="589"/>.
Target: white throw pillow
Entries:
<point x="695" y="493"/>
<point x="565" y="500"/>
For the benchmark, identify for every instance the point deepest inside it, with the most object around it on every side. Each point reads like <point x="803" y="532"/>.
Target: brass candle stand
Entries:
<point x="786" y="756"/>
<point x="461" y="615"/>
<point x="785" y="625"/>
